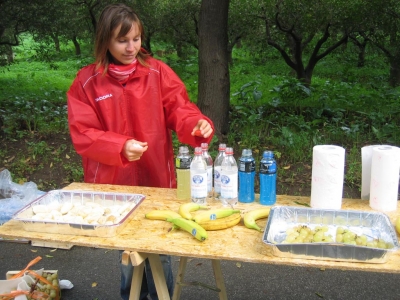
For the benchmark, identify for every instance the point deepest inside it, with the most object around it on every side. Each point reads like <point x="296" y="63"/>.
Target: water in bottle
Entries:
<point x="209" y="161"/>
<point x="182" y="164"/>
<point x="217" y="170"/>
<point x="247" y="173"/>
<point x="229" y="179"/>
<point x="198" y="177"/>
<point x="268" y="171"/>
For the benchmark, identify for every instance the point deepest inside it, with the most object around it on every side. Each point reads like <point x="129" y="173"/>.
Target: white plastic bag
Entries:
<point x="14" y="196"/>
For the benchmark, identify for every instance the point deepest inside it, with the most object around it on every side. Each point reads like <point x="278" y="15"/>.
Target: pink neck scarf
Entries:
<point x="122" y="72"/>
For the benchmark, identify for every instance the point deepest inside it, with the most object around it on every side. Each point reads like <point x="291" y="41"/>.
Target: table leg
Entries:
<point x="219" y="279"/>
<point x="136" y="281"/>
<point x="179" y="278"/>
<point x="158" y="275"/>
<point x="138" y="261"/>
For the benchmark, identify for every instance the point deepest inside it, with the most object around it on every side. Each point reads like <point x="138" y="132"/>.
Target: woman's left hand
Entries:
<point x="204" y="127"/>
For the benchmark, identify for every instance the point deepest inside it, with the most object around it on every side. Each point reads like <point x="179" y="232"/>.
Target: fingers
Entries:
<point x="133" y="150"/>
<point x="202" y="129"/>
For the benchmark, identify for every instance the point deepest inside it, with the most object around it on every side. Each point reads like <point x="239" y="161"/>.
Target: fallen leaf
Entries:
<point x="301" y="203"/>
<point x="53" y="250"/>
<point x="10" y="159"/>
<point x="319" y="295"/>
<point x="238" y="264"/>
<point x="322" y="269"/>
<point x="67" y="156"/>
<point x="34" y="250"/>
<point x="51" y="164"/>
<point x="94" y="284"/>
<point x="286" y="167"/>
<point x="199" y="264"/>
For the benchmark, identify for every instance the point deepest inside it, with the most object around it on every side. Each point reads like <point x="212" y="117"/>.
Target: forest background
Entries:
<point x="278" y="75"/>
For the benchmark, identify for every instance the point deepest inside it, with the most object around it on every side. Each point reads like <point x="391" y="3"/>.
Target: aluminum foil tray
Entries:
<point x="374" y="225"/>
<point x="86" y="213"/>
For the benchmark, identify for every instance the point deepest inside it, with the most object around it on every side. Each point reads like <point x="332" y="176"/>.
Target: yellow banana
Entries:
<point x="213" y="214"/>
<point x="162" y="215"/>
<point x="397" y="225"/>
<point x="188" y="225"/>
<point x="186" y="209"/>
<point x="222" y="223"/>
<point x="250" y="218"/>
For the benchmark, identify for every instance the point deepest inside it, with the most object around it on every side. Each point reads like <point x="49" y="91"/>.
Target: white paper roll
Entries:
<point x="385" y="167"/>
<point x="327" y="177"/>
<point x="366" y="160"/>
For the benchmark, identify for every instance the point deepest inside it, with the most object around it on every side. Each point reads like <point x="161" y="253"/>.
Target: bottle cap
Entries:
<point x="268" y="154"/>
<point x="204" y="146"/>
<point x="197" y="150"/>
<point x="183" y="149"/>
<point x="247" y="152"/>
<point x="229" y="150"/>
<point x="222" y="147"/>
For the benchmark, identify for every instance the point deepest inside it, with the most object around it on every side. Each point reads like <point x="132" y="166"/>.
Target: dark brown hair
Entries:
<point x="111" y="17"/>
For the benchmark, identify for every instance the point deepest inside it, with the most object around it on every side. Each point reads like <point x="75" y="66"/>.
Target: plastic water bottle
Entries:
<point x="217" y="170"/>
<point x="247" y="173"/>
<point x="198" y="177"/>
<point x="209" y="162"/>
<point x="182" y="164"/>
<point x="268" y="170"/>
<point x="229" y="179"/>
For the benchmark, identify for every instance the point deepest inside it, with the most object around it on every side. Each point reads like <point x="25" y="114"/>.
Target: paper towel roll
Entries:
<point x="385" y="167"/>
<point x="327" y="177"/>
<point x="366" y="160"/>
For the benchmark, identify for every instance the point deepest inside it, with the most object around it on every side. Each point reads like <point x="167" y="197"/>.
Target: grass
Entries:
<point x="345" y="105"/>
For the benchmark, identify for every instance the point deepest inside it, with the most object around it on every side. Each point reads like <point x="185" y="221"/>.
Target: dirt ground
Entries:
<point x="51" y="162"/>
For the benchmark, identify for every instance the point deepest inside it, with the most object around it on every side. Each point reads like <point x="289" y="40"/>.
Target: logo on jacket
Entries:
<point x="103" y="97"/>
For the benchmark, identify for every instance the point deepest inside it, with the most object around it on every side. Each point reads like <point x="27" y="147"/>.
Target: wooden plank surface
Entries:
<point x="237" y="243"/>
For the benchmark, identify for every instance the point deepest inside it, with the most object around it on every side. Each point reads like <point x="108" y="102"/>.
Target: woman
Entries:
<point x="121" y="111"/>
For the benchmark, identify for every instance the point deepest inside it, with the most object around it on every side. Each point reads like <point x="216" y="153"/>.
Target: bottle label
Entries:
<point x="217" y="180"/>
<point x="198" y="185"/>
<point x="229" y="186"/>
<point x="183" y="162"/>
<point x="247" y="166"/>
<point x="267" y="168"/>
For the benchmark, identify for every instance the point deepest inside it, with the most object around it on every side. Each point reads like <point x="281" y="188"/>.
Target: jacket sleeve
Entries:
<point x="181" y="115"/>
<point x="87" y="134"/>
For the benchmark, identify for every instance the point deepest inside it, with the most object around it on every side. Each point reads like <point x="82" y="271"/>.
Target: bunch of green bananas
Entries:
<point x="210" y="219"/>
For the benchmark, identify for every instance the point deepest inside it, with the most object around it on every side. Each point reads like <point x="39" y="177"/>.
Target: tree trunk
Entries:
<point x="10" y="54"/>
<point x="77" y="46"/>
<point x="394" y="75"/>
<point x="361" y="56"/>
<point x="147" y="44"/>
<point x="56" y="41"/>
<point x="179" y="50"/>
<point x="214" y="84"/>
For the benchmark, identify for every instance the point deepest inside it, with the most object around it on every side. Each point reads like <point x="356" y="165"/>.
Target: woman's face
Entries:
<point x="125" y="48"/>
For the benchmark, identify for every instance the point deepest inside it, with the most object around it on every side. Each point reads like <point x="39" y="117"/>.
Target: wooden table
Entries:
<point x="143" y="238"/>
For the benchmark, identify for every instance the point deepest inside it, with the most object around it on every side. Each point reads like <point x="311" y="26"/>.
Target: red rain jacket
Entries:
<point x="103" y="115"/>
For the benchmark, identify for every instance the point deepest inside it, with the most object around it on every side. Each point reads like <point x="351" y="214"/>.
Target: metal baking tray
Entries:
<point x="99" y="214"/>
<point x="374" y="225"/>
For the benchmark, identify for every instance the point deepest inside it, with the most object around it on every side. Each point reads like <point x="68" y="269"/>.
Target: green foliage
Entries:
<point x="33" y="113"/>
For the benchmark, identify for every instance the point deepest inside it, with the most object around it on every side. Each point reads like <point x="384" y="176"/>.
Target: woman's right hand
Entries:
<point x="133" y="150"/>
